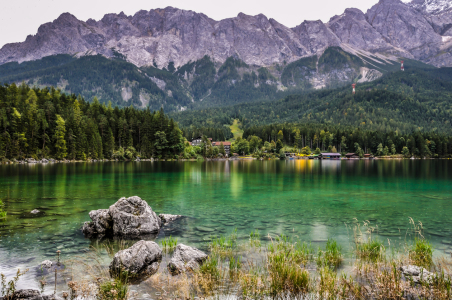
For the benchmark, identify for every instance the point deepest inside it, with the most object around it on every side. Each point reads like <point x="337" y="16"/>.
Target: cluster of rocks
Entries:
<point x="143" y="260"/>
<point x="131" y="217"/>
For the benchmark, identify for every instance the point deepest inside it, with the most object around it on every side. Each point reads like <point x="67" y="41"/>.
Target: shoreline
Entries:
<point x="46" y="161"/>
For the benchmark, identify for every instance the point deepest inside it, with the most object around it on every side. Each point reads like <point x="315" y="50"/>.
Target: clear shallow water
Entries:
<point x="309" y="200"/>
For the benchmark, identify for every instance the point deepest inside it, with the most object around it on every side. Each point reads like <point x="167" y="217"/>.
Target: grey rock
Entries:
<point x="46" y="264"/>
<point x="140" y="261"/>
<point x="186" y="258"/>
<point x="101" y="222"/>
<point x="27" y="294"/>
<point x="134" y="217"/>
<point x="127" y="217"/>
<point x="167" y="218"/>
<point x="417" y="274"/>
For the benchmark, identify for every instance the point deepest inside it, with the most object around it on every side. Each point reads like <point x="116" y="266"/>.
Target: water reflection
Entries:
<point x="308" y="199"/>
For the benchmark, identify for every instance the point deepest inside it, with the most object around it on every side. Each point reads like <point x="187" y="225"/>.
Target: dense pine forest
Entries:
<point x="37" y="123"/>
<point x="334" y="138"/>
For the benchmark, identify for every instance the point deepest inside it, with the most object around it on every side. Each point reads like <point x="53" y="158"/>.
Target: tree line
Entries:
<point x="307" y="138"/>
<point x="46" y="123"/>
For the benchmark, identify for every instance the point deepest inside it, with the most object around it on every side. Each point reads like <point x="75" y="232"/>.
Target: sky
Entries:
<point x="21" y="18"/>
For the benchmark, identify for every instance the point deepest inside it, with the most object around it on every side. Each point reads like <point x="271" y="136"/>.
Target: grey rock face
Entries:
<point x="352" y="28"/>
<point x="316" y="36"/>
<point x="403" y="27"/>
<point x="133" y="216"/>
<point x="186" y="258"/>
<point x="140" y="261"/>
<point x="128" y="217"/>
<point x="161" y="36"/>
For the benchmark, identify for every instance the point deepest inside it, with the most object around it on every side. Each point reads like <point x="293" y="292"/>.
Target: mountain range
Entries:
<point x="181" y="59"/>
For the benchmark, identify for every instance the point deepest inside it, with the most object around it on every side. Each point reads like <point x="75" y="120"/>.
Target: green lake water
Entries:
<point x="309" y="200"/>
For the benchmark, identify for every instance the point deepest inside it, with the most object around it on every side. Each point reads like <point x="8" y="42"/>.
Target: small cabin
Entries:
<point x="351" y="155"/>
<point x="330" y="155"/>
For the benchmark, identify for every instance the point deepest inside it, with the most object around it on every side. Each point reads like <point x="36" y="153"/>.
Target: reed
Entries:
<point x="169" y="244"/>
<point x="331" y="256"/>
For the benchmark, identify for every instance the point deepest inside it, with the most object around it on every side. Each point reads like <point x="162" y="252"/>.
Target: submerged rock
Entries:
<point x="167" y="218"/>
<point x="128" y="217"/>
<point x="186" y="258"/>
<point x="140" y="261"/>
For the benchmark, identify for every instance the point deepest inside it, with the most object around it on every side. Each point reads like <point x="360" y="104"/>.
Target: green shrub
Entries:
<point x="421" y="253"/>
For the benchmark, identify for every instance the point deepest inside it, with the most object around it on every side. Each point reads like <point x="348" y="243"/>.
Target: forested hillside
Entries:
<point x="44" y="122"/>
<point x="197" y="84"/>
<point x="417" y="99"/>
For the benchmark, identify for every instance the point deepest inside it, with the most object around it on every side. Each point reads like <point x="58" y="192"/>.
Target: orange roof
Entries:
<point x="224" y="143"/>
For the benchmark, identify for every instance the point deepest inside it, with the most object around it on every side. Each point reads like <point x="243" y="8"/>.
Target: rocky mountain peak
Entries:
<point x="160" y="36"/>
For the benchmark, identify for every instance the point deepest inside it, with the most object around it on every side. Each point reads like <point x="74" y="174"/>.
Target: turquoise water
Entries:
<point x="309" y="200"/>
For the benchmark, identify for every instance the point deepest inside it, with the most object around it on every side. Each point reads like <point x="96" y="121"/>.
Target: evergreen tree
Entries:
<point x="59" y="137"/>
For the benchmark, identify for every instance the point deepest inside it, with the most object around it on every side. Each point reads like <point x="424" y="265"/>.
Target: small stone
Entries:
<point x="46" y="264"/>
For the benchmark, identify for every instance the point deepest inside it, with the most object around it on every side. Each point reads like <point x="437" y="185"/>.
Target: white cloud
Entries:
<point x="21" y="18"/>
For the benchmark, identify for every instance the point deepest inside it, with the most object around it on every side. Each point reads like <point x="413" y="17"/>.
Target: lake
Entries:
<point x="309" y="200"/>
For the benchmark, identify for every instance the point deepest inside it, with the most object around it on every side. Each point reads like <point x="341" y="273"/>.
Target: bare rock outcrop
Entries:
<point x="186" y="258"/>
<point x="140" y="261"/>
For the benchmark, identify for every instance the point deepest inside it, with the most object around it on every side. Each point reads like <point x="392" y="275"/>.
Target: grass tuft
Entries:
<point x="421" y="253"/>
<point x="331" y="257"/>
<point x="372" y="250"/>
<point x="169" y="244"/>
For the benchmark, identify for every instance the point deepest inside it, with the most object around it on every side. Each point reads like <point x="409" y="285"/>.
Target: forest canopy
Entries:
<point x="38" y="123"/>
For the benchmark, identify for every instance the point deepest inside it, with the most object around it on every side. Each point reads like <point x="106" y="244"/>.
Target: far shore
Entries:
<point x="234" y="158"/>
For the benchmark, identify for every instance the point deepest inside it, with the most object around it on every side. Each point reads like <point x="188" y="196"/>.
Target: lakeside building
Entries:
<point x="227" y="145"/>
<point x="330" y="156"/>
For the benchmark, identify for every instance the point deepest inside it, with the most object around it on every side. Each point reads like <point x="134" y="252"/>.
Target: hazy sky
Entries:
<point x="23" y="17"/>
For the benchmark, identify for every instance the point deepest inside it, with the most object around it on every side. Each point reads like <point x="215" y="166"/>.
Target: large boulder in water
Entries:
<point x="140" y="261"/>
<point x="133" y="216"/>
<point x="128" y="217"/>
<point x="186" y="258"/>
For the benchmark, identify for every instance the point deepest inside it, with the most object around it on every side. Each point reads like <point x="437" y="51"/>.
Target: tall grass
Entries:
<point x="224" y="246"/>
<point x="2" y="211"/>
<point x="286" y="275"/>
<point x="371" y="250"/>
<point x="331" y="256"/>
